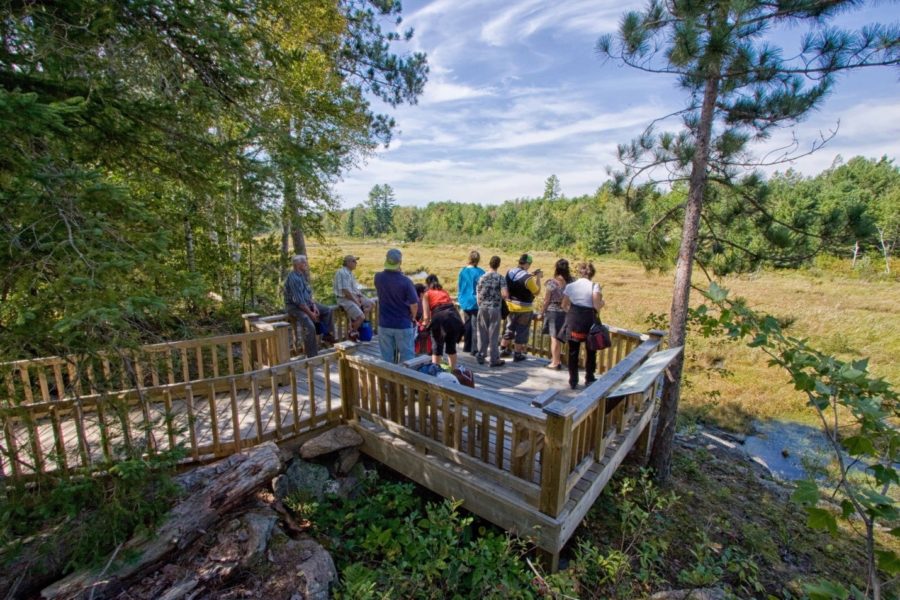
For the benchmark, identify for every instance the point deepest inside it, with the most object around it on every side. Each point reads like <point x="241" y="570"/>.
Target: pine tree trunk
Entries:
<point x="661" y="456"/>
<point x="189" y="245"/>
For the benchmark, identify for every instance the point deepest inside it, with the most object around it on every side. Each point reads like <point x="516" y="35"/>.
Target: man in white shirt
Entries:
<point x="346" y="291"/>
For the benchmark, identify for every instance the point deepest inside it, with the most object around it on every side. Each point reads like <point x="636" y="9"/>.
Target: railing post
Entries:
<point x="249" y="321"/>
<point x="349" y="391"/>
<point x="557" y="454"/>
<point x="282" y="342"/>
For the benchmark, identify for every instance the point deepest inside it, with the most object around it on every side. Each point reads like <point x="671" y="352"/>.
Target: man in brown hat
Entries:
<point x="349" y="298"/>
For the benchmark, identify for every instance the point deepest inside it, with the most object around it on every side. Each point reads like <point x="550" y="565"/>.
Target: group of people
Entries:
<point x="488" y="301"/>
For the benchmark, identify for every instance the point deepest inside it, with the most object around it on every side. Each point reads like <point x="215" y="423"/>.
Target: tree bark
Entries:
<point x="209" y="492"/>
<point x="661" y="456"/>
<point x="292" y="216"/>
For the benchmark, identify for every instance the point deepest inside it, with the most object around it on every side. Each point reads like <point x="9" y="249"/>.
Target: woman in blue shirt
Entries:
<point x="465" y="290"/>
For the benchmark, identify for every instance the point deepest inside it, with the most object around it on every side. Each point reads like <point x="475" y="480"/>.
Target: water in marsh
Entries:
<point x="791" y="451"/>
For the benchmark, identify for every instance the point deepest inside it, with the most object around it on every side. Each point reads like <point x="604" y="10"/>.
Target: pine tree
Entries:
<point x="739" y="87"/>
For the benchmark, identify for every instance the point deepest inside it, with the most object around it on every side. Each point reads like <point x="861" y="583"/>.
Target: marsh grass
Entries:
<point x="837" y="309"/>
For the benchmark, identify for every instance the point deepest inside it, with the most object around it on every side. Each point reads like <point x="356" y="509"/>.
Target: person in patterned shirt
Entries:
<point x="299" y="303"/>
<point x="490" y="293"/>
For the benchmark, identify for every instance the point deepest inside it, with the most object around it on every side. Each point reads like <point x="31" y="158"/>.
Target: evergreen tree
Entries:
<point x="739" y="87"/>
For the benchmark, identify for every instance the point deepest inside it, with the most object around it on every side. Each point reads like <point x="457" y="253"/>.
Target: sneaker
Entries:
<point x="353" y="336"/>
<point x="555" y="367"/>
<point x="589" y="380"/>
<point x="479" y="358"/>
<point x="574" y="386"/>
<point x="518" y="357"/>
<point x="328" y="339"/>
<point x="505" y="352"/>
<point x="498" y="363"/>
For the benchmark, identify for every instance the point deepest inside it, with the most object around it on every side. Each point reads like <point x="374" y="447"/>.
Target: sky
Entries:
<point x="516" y="93"/>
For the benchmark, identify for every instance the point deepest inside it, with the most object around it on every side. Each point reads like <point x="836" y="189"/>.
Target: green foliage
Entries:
<point x="89" y="515"/>
<point x="632" y="566"/>
<point x="153" y="144"/>
<point x="389" y="543"/>
<point x="838" y="391"/>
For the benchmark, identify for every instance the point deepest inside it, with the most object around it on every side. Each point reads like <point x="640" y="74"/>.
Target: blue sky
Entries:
<point x="516" y="93"/>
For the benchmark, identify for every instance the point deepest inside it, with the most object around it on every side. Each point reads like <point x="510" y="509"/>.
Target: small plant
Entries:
<point x="631" y="567"/>
<point x="91" y="515"/>
<point x="388" y="543"/>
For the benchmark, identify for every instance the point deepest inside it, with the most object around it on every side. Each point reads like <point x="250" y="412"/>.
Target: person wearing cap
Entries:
<point x="465" y="294"/>
<point x="523" y="287"/>
<point x="299" y="304"/>
<point x="397" y="307"/>
<point x="349" y="298"/>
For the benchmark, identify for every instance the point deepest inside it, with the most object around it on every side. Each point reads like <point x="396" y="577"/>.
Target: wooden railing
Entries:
<point x="492" y="435"/>
<point x="212" y="417"/>
<point x="60" y="377"/>
<point x="255" y="322"/>
<point x="538" y="454"/>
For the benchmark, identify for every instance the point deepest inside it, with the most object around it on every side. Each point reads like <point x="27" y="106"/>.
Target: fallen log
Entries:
<point x="209" y="491"/>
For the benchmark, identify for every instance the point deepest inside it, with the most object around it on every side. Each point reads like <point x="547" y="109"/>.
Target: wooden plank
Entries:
<point x="26" y="385"/>
<point x="58" y="379"/>
<point x="169" y="418"/>
<point x="235" y="416"/>
<point x="45" y="388"/>
<point x="295" y="401"/>
<point x="170" y="367"/>
<point x="199" y="357"/>
<point x="499" y="436"/>
<point x="214" y="418"/>
<point x="554" y="470"/>
<point x="229" y="353"/>
<point x="257" y="409"/>
<point x="326" y="372"/>
<point x="482" y="497"/>
<point x="104" y="435"/>
<point x="59" y="441"/>
<point x="529" y="491"/>
<point x="647" y="373"/>
<point x="311" y="384"/>
<point x="192" y="421"/>
<point x="245" y="356"/>
<point x="83" y="447"/>
<point x="276" y="405"/>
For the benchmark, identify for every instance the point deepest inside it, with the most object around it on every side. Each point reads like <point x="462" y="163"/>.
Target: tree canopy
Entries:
<point x="151" y="142"/>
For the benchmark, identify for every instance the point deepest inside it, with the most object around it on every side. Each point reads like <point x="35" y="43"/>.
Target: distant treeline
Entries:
<point x="848" y="210"/>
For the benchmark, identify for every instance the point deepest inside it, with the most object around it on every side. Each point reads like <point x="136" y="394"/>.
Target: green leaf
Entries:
<point x="819" y="518"/>
<point x="807" y="493"/>
<point x="857" y="445"/>
<point x="888" y="561"/>
<point x="717" y="293"/>
<point x="826" y="590"/>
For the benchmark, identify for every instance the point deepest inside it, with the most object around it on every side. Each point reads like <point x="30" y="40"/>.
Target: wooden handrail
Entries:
<point x="495" y="401"/>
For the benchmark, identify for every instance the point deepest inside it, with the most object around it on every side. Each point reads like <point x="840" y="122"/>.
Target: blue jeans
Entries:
<point x="392" y="342"/>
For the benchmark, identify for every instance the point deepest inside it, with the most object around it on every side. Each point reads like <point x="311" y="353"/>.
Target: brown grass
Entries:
<point x="728" y="384"/>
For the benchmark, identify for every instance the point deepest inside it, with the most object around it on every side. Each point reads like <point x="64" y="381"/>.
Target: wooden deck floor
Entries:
<point x="162" y="426"/>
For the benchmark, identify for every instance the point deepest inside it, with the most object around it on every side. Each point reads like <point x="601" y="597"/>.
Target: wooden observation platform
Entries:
<point x="520" y="449"/>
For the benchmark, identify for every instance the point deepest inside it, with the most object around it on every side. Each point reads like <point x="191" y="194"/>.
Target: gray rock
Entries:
<point x="347" y="458"/>
<point x="258" y="527"/>
<point x="317" y="569"/>
<point x="307" y="479"/>
<point x="342" y="436"/>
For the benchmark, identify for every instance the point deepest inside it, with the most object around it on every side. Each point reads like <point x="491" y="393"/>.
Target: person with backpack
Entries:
<point x="442" y="319"/>
<point x="491" y="293"/>
<point x="523" y="287"/>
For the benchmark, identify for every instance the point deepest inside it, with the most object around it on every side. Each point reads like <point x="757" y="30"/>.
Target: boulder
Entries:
<point x="342" y="436"/>
<point x="302" y="569"/>
<point x="347" y="458"/>
<point x="307" y="479"/>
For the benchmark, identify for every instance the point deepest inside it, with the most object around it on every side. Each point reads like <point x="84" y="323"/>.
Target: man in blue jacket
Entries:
<point x="397" y="306"/>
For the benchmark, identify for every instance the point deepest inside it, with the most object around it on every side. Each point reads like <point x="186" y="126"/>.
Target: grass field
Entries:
<point x="727" y="384"/>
